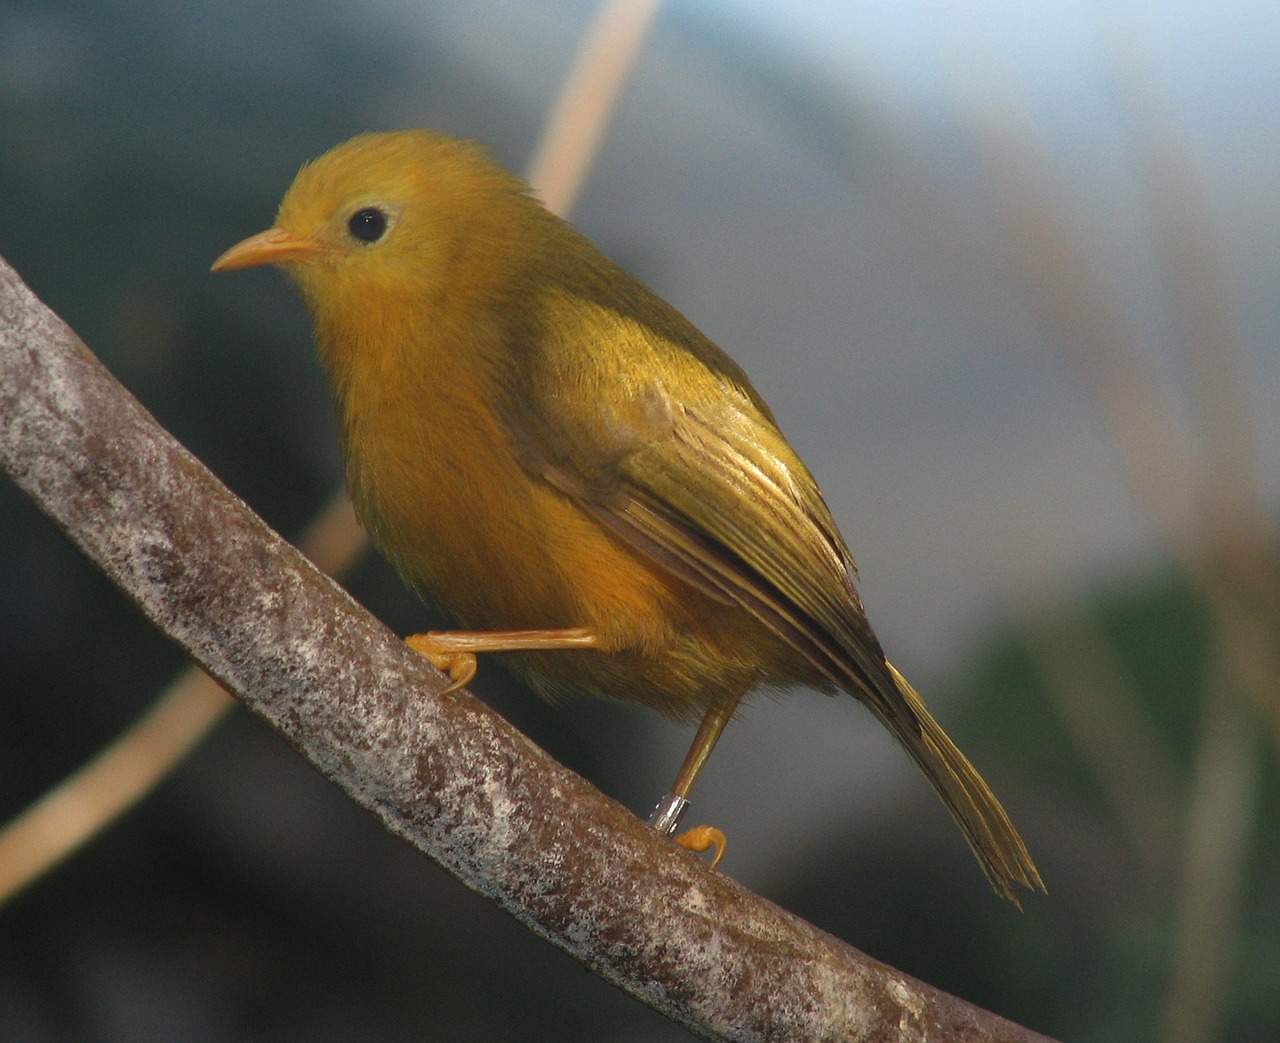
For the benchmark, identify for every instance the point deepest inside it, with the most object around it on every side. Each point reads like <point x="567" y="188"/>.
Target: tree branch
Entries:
<point x="442" y="771"/>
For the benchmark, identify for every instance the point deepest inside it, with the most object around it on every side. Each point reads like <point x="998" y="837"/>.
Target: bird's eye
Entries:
<point x="368" y="224"/>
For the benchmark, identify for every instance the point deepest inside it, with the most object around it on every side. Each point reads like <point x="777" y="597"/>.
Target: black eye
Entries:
<point x="368" y="225"/>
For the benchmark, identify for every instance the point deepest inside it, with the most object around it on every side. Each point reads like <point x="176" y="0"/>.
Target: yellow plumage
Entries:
<point x="543" y="446"/>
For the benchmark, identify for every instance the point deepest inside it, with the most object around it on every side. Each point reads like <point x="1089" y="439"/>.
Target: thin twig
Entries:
<point x="68" y="816"/>
<point x="1199" y="492"/>
<point x="63" y="819"/>
<point x="1225" y="790"/>
<point x="1236" y="574"/>
<point x="572" y="136"/>
<point x="1112" y="730"/>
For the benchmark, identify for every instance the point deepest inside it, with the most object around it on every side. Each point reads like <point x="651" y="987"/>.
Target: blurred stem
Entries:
<point x="1201" y="494"/>
<point x="75" y="810"/>
<point x="573" y="132"/>
<point x="1236" y="574"/>
<point x="1047" y="255"/>
<point x="1114" y="734"/>
<point x="1220" y="814"/>
<point x="87" y="801"/>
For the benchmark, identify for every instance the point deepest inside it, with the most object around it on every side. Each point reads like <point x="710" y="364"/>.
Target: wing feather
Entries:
<point x="663" y="440"/>
<point x="703" y="483"/>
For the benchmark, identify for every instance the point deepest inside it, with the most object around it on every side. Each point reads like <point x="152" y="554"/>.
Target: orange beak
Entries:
<point x="274" y="246"/>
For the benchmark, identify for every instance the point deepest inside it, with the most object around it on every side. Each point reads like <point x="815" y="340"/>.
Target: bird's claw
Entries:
<point x="700" y="838"/>
<point x="460" y="666"/>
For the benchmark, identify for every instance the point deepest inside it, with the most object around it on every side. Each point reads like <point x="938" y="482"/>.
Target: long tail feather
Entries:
<point x="985" y="824"/>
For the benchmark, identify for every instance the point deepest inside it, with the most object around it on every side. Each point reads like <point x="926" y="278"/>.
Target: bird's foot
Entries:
<point x="454" y="651"/>
<point x="666" y="820"/>
<point x="459" y="665"/>
<point x="700" y="838"/>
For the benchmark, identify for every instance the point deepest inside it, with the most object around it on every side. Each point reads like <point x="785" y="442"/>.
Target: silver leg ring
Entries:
<point x="666" y="816"/>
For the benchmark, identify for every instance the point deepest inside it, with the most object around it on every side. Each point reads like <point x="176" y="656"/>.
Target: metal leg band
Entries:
<point x="666" y="816"/>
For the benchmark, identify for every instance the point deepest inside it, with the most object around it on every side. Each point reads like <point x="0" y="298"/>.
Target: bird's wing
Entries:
<point x="662" y="439"/>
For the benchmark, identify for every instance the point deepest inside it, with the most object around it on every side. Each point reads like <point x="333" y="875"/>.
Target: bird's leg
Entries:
<point x="454" y="651"/>
<point x="666" y="816"/>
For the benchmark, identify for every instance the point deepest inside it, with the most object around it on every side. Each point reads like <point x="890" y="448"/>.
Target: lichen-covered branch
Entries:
<point x="443" y="771"/>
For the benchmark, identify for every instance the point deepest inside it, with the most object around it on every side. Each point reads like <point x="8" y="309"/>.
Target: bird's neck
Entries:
<point x="406" y="385"/>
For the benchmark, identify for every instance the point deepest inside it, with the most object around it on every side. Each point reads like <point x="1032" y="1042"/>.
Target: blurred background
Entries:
<point x="1006" y="274"/>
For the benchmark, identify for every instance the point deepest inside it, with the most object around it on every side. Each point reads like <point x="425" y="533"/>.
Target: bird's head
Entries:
<point x="395" y="217"/>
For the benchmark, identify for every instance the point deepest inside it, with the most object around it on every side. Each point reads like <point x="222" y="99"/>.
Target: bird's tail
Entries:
<point x="985" y="824"/>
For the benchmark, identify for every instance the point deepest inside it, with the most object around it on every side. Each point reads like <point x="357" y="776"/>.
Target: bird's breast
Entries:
<point x="437" y="481"/>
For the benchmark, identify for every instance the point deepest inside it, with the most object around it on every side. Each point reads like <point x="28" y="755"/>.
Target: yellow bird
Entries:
<point x="552" y="454"/>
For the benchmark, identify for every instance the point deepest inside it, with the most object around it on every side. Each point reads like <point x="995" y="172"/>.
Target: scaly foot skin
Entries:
<point x="460" y="666"/>
<point x="454" y="651"/>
